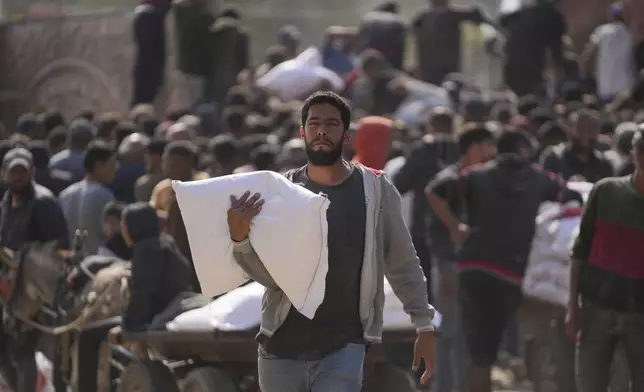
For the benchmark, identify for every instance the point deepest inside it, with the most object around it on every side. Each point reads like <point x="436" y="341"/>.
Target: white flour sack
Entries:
<point x="289" y="235"/>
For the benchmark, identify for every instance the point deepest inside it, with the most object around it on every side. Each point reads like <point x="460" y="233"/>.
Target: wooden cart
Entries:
<point x="222" y="362"/>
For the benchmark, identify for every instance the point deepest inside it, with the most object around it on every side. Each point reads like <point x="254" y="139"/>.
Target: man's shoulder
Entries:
<point x="43" y="193"/>
<point x="479" y="168"/>
<point x="144" y="179"/>
<point x="611" y="183"/>
<point x="163" y="184"/>
<point x="451" y="171"/>
<point x="59" y="157"/>
<point x="70" y="190"/>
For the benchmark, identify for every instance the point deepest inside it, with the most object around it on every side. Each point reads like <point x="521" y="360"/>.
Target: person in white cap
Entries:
<point x="30" y="212"/>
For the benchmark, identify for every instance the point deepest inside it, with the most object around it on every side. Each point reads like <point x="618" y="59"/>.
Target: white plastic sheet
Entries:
<point x="547" y="276"/>
<point x="289" y="235"/>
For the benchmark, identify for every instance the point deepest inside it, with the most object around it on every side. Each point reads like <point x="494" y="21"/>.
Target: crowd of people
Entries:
<point x="476" y="172"/>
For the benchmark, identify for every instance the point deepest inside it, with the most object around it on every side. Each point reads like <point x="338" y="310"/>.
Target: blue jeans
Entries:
<point x="340" y="371"/>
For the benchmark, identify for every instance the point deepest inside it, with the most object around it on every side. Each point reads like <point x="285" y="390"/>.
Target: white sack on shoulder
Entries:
<point x="240" y="310"/>
<point x="289" y="235"/>
<point x="293" y="79"/>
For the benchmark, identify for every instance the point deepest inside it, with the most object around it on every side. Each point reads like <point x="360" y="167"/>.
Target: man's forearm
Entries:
<point x="442" y="211"/>
<point x="575" y="271"/>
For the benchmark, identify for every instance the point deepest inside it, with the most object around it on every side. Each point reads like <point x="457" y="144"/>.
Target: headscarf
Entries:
<point x="372" y="141"/>
<point x="141" y="221"/>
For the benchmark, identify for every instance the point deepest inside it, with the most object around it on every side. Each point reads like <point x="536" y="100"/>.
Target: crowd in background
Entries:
<point x="576" y="115"/>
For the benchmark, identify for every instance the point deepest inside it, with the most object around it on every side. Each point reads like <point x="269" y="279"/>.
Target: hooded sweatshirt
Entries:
<point x="501" y="201"/>
<point x="372" y="141"/>
<point x="159" y="271"/>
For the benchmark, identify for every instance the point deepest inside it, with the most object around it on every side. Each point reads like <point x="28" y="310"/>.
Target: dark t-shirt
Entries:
<point x="530" y="32"/>
<point x="446" y="185"/>
<point x="561" y="161"/>
<point x="438" y="37"/>
<point x="502" y="199"/>
<point x="337" y="320"/>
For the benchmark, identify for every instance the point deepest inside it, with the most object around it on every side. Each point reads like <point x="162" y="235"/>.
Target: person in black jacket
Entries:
<point x="384" y="30"/>
<point x="149" y="38"/>
<point x="159" y="270"/>
<point x="52" y="179"/>
<point x="501" y="200"/>
<point x="437" y="150"/>
<point x="159" y="273"/>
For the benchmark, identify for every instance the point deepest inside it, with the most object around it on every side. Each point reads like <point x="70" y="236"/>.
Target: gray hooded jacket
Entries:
<point x="388" y="252"/>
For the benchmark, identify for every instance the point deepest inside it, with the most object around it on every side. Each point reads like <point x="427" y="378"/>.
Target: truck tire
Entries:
<point x="147" y="376"/>
<point x="387" y="378"/>
<point x="208" y="379"/>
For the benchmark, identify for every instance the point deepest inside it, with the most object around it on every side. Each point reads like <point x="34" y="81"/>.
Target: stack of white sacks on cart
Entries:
<point x="289" y="236"/>
<point x="547" y="276"/>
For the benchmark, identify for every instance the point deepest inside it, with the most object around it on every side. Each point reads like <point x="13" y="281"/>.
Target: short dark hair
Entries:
<point x="156" y="146"/>
<point x="51" y="120"/>
<point x="106" y="123"/>
<point x="183" y="149"/>
<point x="551" y="130"/>
<point x="113" y="209"/>
<point x="57" y="138"/>
<point x="230" y="12"/>
<point x="474" y="135"/>
<point x="474" y="109"/>
<point x="264" y="156"/>
<point x="149" y="126"/>
<point x="527" y="103"/>
<point x="39" y="152"/>
<point x="512" y="142"/>
<point x="123" y="129"/>
<point x="224" y="147"/>
<point x="441" y="120"/>
<point x="87" y="114"/>
<point x="234" y="118"/>
<point x="329" y="98"/>
<point x="502" y="112"/>
<point x="236" y="96"/>
<point x="389" y="6"/>
<point x="97" y="152"/>
<point x="27" y="123"/>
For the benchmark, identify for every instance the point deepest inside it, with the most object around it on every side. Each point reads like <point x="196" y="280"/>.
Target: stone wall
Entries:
<point x="80" y="62"/>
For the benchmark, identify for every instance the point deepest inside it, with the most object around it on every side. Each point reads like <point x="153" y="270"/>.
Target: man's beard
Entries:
<point x="323" y="158"/>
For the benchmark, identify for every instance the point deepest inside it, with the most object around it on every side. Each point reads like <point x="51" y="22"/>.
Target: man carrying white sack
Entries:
<point x="367" y="239"/>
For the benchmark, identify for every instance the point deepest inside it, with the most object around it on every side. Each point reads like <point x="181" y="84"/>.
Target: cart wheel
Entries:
<point x="386" y="377"/>
<point x="147" y="376"/>
<point x="208" y="379"/>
